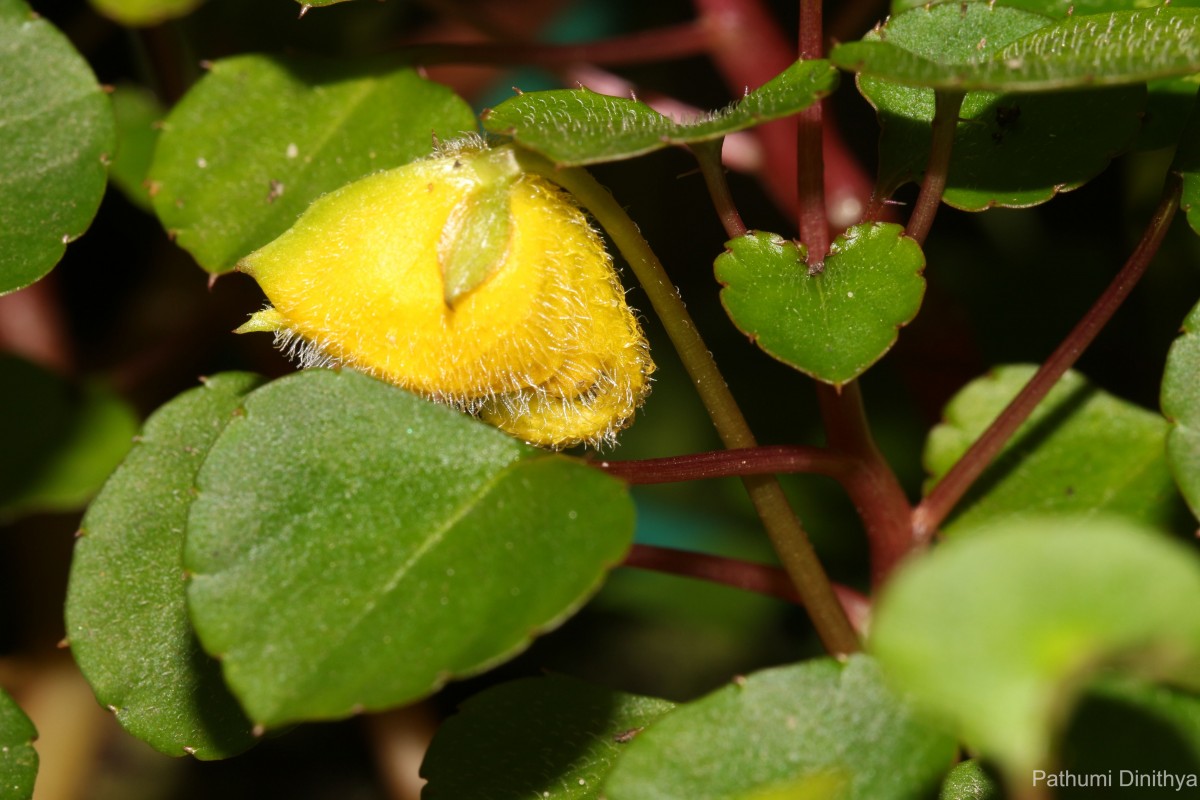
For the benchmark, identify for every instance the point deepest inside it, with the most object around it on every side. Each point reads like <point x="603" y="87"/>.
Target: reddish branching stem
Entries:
<point x="766" y="460"/>
<point x="945" y="122"/>
<point x="930" y="513"/>
<point x="872" y="485"/>
<point x="660" y="44"/>
<point x="746" y="575"/>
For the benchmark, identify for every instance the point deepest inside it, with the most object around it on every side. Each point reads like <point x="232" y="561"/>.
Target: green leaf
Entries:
<point x="1082" y="451"/>
<point x="354" y="547"/>
<point x="836" y="323"/>
<point x="60" y="440"/>
<point x="138" y="114"/>
<point x="1080" y="51"/>
<point x="994" y="632"/>
<point x="260" y="137"/>
<point x="552" y="737"/>
<point x="1011" y="150"/>
<point x="573" y="127"/>
<point x="305" y="5"/>
<point x="127" y="618"/>
<point x="969" y="781"/>
<point x="1187" y="164"/>
<point x="58" y="135"/>
<point x="18" y="759"/>
<point x="1181" y="405"/>
<point x="136" y="13"/>
<point x="783" y="733"/>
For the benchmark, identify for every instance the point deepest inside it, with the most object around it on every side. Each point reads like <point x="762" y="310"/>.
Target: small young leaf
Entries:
<point x="260" y="137"/>
<point x="1082" y="451"/>
<point x="60" y="440"/>
<point x="816" y="729"/>
<point x="354" y="547"/>
<point x="573" y="127"/>
<point x="136" y="13"/>
<point x="1080" y="51"/>
<point x="552" y="737"/>
<point x="1010" y="150"/>
<point x="138" y="113"/>
<point x="836" y="323"/>
<point x="969" y="781"/>
<point x="58" y="135"/>
<point x="18" y="759"/>
<point x="126" y="617"/>
<point x="1181" y="406"/>
<point x="995" y="631"/>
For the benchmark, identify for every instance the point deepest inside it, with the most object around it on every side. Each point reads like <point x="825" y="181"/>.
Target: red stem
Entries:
<point x="747" y="575"/>
<point x="749" y="49"/>
<point x="945" y="122"/>
<point x="930" y="513"/>
<point x="810" y="166"/>
<point x="872" y="485"/>
<point x="724" y="463"/>
<point x="660" y="44"/>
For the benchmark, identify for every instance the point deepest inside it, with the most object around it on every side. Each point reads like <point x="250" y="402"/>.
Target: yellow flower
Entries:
<point x="462" y="279"/>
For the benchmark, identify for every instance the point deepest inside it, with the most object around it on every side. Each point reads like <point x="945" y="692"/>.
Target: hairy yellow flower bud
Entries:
<point x="463" y="279"/>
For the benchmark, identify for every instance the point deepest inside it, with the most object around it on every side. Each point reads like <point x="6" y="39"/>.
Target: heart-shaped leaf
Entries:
<point x="574" y="127"/>
<point x="58" y="135"/>
<point x="18" y="759"/>
<point x="1082" y="451"/>
<point x="1010" y="150"/>
<point x="832" y="324"/>
<point x="260" y="137"/>
<point x="353" y="546"/>
<point x="817" y="729"/>
<point x="127" y="619"/>
<point x="995" y="631"/>
<point x="1181" y="405"/>
<point x="537" y="737"/>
